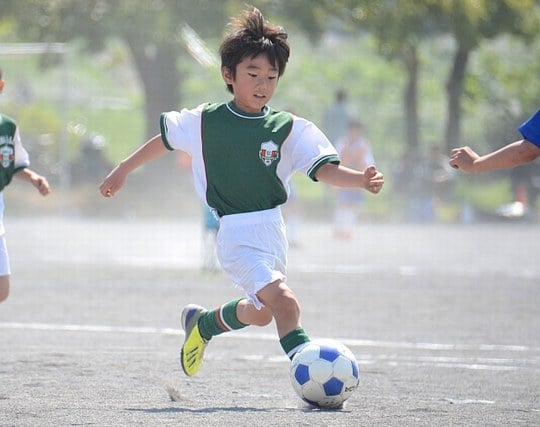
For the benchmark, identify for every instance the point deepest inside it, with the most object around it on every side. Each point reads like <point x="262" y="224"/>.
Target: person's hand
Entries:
<point x="113" y="182"/>
<point x="463" y="158"/>
<point x="373" y="179"/>
<point x="42" y="185"/>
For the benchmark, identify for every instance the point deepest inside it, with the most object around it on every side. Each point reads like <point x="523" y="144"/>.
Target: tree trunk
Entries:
<point x="156" y="66"/>
<point x="410" y="98"/>
<point x="454" y="90"/>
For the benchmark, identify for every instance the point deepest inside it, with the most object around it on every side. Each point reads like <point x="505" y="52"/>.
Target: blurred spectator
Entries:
<point x="92" y="162"/>
<point x="336" y="118"/>
<point x="525" y="185"/>
<point x="24" y="93"/>
<point x="354" y="152"/>
<point x="211" y="226"/>
<point x="210" y="223"/>
<point x="423" y="183"/>
<point x="442" y="175"/>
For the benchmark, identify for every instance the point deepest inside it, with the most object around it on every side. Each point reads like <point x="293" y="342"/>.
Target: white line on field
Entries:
<point x="262" y="336"/>
<point x="364" y="359"/>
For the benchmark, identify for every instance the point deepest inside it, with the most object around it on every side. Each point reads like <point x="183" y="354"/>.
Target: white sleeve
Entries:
<point x="309" y="148"/>
<point x="181" y="130"/>
<point x="22" y="159"/>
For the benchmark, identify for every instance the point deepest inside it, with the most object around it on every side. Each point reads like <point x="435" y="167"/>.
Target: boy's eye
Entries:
<point x="271" y="77"/>
<point x="252" y="75"/>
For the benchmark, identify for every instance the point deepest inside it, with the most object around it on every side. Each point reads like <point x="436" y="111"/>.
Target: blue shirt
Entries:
<point x="530" y="130"/>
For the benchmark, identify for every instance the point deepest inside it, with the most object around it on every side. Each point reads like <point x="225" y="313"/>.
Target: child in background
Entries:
<point x="14" y="162"/>
<point x="354" y="152"/>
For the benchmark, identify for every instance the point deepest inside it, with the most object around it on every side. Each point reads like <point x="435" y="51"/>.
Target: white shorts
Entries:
<point x="252" y="249"/>
<point x="4" y="258"/>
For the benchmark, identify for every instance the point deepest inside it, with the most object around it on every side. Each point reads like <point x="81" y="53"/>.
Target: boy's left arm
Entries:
<point x="369" y="179"/>
<point x="38" y="181"/>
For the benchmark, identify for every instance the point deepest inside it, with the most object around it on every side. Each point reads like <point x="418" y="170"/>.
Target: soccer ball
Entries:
<point x="324" y="373"/>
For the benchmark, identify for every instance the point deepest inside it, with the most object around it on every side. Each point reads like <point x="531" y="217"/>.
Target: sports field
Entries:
<point x="443" y="320"/>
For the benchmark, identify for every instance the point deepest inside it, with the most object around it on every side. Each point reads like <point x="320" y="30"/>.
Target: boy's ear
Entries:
<point x="1" y="85"/>
<point x="227" y="75"/>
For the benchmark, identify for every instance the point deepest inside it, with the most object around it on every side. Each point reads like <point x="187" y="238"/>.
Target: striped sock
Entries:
<point x="294" y="341"/>
<point x="219" y="320"/>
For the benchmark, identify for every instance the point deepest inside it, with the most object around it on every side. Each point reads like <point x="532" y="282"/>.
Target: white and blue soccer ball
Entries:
<point x="324" y="373"/>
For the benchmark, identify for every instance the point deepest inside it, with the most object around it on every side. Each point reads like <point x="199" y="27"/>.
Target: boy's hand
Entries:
<point x="463" y="158"/>
<point x="373" y="179"/>
<point x="113" y="182"/>
<point x="41" y="183"/>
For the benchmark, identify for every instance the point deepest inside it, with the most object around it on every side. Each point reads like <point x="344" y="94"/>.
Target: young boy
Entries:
<point x="14" y="162"/>
<point x="514" y="154"/>
<point x="243" y="156"/>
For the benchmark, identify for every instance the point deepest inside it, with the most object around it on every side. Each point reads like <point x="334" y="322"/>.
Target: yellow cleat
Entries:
<point x="192" y="352"/>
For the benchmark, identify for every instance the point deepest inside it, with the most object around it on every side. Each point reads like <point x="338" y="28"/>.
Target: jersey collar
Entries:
<point x="231" y="106"/>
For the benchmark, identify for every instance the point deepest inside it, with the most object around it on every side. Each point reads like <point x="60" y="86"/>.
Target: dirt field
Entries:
<point x="443" y="319"/>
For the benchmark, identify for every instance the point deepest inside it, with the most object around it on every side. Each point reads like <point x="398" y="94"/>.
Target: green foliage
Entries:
<point x="485" y="192"/>
<point x="38" y="119"/>
<point x="108" y="97"/>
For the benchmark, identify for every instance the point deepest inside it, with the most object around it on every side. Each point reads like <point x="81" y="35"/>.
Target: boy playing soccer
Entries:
<point x="243" y="156"/>
<point x="14" y="162"/>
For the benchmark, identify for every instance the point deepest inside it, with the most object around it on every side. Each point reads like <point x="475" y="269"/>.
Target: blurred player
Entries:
<point x="14" y="163"/>
<point x="514" y="154"/>
<point x="243" y="156"/>
<point x="354" y="152"/>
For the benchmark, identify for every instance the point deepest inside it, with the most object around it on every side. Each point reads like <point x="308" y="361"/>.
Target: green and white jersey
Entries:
<point x="13" y="156"/>
<point x="243" y="162"/>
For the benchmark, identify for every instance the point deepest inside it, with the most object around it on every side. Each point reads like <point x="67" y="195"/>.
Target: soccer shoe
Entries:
<point x="194" y="344"/>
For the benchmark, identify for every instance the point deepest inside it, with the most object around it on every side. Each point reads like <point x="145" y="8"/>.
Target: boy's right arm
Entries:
<point x="151" y="150"/>
<point x="509" y="156"/>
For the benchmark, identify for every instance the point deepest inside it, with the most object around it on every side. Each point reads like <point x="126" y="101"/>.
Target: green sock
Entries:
<point x="219" y="320"/>
<point x="293" y="341"/>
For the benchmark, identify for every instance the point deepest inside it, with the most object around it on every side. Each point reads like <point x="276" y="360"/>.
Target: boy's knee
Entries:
<point x="281" y="300"/>
<point x="4" y="293"/>
<point x="264" y="317"/>
<point x="4" y="288"/>
<point x="287" y="304"/>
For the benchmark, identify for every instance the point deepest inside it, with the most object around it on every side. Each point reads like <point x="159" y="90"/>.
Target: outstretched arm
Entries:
<point x="151" y="150"/>
<point x="38" y="181"/>
<point x="509" y="156"/>
<point x="370" y="179"/>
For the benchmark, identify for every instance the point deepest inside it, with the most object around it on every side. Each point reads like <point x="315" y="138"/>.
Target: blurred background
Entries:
<point x="86" y="80"/>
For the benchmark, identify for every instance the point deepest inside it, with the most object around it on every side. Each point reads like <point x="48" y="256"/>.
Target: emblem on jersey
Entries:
<point x="6" y="155"/>
<point x="269" y="152"/>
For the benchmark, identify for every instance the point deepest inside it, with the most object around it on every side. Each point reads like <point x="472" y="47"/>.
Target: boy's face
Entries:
<point x="254" y="83"/>
<point x="1" y="85"/>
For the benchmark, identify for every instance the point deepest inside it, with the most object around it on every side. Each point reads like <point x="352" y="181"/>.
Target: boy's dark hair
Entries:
<point x="249" y="36"/>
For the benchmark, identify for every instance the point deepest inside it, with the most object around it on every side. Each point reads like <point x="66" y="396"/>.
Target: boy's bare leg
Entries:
<point x="282" y="303"/>
<point x="249" y="315"/>
<point x="4" y="287"/>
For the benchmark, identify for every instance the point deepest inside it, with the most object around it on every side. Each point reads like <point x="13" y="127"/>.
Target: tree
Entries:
<point x="471" y="22"/>
<point x="151" y="30"/>
<point x="398" y="27"/>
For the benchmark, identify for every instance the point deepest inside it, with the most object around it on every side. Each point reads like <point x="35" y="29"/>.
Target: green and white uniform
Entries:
<point x="13" y="157"/>
<point x="242" y="164"/>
